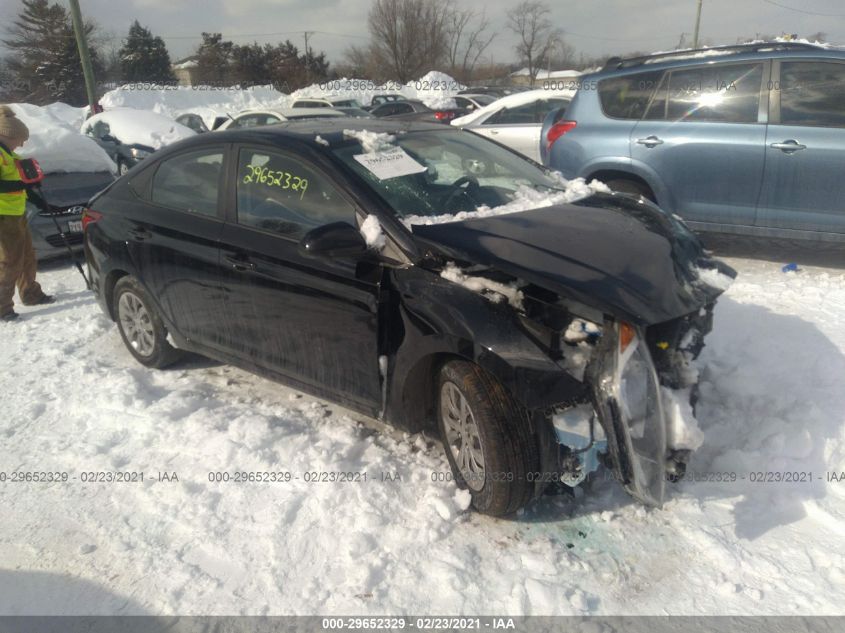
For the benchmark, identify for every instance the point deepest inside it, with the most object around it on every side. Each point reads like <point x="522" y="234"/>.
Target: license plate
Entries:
<point x="75" y="226"/>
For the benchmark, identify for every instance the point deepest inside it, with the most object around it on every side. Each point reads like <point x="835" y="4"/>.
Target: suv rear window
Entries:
<point x="627" y="97"/>
<point x="812" y="94"/>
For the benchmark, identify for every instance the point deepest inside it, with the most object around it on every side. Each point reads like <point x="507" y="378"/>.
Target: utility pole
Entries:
<point x="697" y="25"/>
<point x="84" y="56"/>
<point x="307" y="60"/>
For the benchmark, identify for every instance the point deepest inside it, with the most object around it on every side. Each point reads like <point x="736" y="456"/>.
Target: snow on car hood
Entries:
<point x="141" y="127"/>
<point x="607" y="251"/>
<point x="56" y="145"/>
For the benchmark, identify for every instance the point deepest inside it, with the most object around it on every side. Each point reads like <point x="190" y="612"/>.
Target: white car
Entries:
<point x="326" y="102"/>
<point x="254" y="118"/>
<point x="516" y="120"/>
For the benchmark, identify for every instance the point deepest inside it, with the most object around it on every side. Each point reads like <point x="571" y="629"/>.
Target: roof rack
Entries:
<point x="617" y="63"/>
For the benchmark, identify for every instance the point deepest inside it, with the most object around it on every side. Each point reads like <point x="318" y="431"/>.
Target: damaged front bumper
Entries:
<point x="640" y="420"/>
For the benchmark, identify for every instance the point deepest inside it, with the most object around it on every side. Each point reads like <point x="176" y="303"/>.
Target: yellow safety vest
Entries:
<point x="11" y="203"/>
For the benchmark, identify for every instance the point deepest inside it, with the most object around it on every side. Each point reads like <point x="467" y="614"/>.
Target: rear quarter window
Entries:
<point x="812" y="94"/>
<point x="627" y="97"/>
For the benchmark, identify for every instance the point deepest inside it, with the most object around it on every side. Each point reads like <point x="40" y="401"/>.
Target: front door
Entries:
<point x="315" y="321"/>
<point x="804" y="187"/>
<point x="703" y="135"/>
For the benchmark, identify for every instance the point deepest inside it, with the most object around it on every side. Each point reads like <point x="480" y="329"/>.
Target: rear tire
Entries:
<point x="141" y="327"/>
<point x="487" y="437"/>
<point x="623" y="185"/>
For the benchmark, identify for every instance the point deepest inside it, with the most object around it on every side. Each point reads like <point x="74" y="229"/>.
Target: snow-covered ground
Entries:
<point x="772" y="400"/>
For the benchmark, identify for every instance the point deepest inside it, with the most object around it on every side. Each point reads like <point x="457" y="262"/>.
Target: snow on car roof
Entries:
<point x="140" y="127"/>
<point x="55" y="144"/>
<point x="511" y="101"/>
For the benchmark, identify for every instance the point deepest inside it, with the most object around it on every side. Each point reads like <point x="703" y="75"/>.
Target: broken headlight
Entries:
<point x="628" y="400"/>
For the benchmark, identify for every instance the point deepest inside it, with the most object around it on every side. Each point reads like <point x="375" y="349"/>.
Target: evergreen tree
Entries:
<point x="214" y="59"/>
<point x="145" y="57"/>
<point x="44" y="64"/>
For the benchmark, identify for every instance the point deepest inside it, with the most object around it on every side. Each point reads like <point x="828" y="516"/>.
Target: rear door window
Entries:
<point x="627" y="97"/>
<point x="520" y="115"/>
<point x="812" y="94"/>
<point x="720" y="93"/>
<point x="189" y="182"/>
<point x="279" y="193"/>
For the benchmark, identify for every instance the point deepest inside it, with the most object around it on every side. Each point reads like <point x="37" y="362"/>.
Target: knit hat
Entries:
<point x="11" y="127"/>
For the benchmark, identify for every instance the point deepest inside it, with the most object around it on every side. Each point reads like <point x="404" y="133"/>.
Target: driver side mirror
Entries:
<point x="338" y="239"/>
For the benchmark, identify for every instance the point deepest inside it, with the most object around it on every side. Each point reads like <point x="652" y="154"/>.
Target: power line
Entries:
<point x="827" y="15"/>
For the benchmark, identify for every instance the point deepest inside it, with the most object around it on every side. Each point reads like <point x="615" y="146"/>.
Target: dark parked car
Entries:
<point x="327" y="254"/>
<point x="413" y="110"/>
<point x="378" y="100"/>
<point x="67" y="194"/>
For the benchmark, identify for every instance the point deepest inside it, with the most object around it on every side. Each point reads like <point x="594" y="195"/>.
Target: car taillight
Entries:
<point x="444" y="116"/>
<point x="557" y="130"/>
<point x="89" y="216"/>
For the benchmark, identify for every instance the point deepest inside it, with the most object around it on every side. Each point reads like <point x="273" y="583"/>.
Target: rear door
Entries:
<point x="703" y="134"/>
<point x="312" y="320"/>
<point x="803" y="186"/>
<point x="172" y="238"/>
<point x="519" y="127"/>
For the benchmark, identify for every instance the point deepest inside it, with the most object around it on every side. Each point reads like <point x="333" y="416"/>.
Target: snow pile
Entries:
<point x="140" y="127"/>
<point x="715" y="278"/>
<point x="492" y="290"/>
<point x="207" y="102"/>
<point x="373" y="233"/>
<point x="434" y="89"/>
<point x="682" y="432"/>
<point x="55" y="144"/>
<point x="321" y="141"/>
<point x="371" y="142"/>
<point x="580" y="330"/>
<point x="525" y="199"/>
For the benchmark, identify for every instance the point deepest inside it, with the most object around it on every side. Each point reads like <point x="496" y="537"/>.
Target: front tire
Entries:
<point x="141" y="328"/>
<point x="487" y="437"/>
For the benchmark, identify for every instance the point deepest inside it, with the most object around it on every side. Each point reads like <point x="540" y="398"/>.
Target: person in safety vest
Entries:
<point x="17" y="257"/>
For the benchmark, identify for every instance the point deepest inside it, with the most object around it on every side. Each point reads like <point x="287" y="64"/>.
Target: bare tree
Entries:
<point x="468" y="39"/>
<point x="409" y="37"/>
<point x="530" y="21"/>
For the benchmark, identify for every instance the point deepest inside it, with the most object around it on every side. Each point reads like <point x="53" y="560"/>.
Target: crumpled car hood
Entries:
<point x="609" y="251"/>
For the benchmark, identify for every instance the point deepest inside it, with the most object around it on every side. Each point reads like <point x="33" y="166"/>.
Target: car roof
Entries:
<point x="306" y="131"/>
<point x="726" y="54"/>
<point x="292" y="112"/>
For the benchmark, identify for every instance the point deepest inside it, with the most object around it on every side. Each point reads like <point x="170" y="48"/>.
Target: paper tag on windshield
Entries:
<point x="390" y="163"/>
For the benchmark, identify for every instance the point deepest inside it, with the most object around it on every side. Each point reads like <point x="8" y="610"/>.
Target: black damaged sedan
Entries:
<point x="427" y="277"/>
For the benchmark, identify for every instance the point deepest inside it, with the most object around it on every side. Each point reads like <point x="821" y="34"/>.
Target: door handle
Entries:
<point x="494" y="132"/>
<point x="788" y="146"/>
<point x="650" y="141"/>
<point x="240" y="264"/>
<point x="140" y="234"/>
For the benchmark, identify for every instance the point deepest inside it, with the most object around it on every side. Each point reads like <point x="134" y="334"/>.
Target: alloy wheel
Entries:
<point x="462" y="435"/>
<point x="136" y="323"/>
